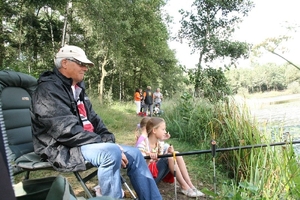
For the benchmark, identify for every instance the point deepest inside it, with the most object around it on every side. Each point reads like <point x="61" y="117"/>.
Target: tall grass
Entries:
<point x="189" y="120"/>
<point x="264" y="173"/>
<point x="233" y="126"/>
<point x="273" y="173"/>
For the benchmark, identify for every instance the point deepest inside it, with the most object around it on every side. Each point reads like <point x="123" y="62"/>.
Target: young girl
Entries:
<point x="152" y="146"/>
<point x="140" y="132"/>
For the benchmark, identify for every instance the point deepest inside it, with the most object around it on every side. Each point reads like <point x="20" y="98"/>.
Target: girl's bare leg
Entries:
<point x="183" y="184"/>
<point x="184" y="172"/>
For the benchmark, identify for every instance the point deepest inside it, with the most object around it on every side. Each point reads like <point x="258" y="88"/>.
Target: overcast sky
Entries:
<point x="264" y="21"/>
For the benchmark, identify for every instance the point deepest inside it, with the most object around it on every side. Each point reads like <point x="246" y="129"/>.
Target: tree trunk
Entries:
<point x="49" y="17"/>
<point x="120" y="87"/>
<point x="101" y="82"/>
<point x="67" y="28"/>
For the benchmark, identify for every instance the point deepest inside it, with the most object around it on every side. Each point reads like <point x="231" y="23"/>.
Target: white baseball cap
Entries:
<point x="70" y="51"/>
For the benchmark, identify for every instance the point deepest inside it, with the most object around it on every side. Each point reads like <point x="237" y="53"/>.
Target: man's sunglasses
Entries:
<point x="78" y="62"/>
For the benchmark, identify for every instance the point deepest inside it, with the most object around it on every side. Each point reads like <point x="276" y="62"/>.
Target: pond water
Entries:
<point x="280" y="118"/>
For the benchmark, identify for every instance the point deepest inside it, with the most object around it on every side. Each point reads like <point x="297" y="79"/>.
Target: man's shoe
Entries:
<point x="127" y="194"/>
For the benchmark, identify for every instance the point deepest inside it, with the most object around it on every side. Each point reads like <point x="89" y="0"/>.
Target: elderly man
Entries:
<point x="67" y="131"/>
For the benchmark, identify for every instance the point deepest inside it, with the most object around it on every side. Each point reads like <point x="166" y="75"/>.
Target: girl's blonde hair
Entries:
<point x="153" y="123"/>
<point x="140" y="126"/>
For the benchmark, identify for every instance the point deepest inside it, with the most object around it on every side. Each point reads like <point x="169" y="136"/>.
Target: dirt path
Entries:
<point x="167" y="190"/>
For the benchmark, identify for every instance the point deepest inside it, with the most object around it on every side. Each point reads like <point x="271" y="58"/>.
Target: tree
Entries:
<point x="127" y="41"/>
<point x="208" y="30"/>
<point x="212" y="83"/>
<point x="132" y="42"/>
<point x="276" y="45"/>
<point x="29" y="43"/>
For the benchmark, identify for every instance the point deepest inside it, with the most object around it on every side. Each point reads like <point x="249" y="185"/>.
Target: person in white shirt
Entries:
<point x="157" y="97"/>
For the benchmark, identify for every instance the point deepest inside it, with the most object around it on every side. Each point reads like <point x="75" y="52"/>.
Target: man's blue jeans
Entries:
<point x="107" y="157"/>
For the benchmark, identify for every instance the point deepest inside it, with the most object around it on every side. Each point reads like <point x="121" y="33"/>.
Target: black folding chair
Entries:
<point x="47" y="188"/>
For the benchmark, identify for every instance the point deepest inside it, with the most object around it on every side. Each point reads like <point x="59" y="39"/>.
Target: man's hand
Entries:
<point x="124" y="161"/>
<point x="108" y="137"/>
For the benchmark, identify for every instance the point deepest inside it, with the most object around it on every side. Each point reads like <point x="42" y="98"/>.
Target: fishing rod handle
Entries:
<point x="213" y="148"/>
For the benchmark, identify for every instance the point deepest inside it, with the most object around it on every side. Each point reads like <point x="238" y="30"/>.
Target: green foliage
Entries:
<point x="294" y="87"/>
<point x="127" y="41"/>
<point x="272" y="172"/>
<point x="208" y="29"/>
<point x="210" y="83"/>
<point x="233" y="126"/>
<point x="134" y="41"/>
<point x="276" y="45"/>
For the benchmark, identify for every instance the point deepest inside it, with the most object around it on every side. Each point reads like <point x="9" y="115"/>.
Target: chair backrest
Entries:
<point x="15" y="95"/>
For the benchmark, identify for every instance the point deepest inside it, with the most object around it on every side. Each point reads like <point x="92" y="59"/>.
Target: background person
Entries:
<point x="142" y="100"/>
<point x="157" y="96"/>
<point x="140" y="132"/>
<point x="148" y="101"/>
<point x="67" y="131"/>
<point x="137" y="100"/>
<point x="157" y="109"/>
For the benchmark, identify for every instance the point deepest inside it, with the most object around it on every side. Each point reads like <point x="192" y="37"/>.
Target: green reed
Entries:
<point x="273" y="173"/>
<point x="260" y="173"/>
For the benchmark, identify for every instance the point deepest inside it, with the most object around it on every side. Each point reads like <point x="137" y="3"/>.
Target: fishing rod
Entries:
<point x="227" y="149"/>
<point x="175" y="185"/>
<point x="213" y="153"/>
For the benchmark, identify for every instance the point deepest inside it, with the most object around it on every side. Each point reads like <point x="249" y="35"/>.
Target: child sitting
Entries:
<point x="157" y="110"/>
<point x="152" y="146"/>
<point x="140" y="132"/>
